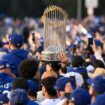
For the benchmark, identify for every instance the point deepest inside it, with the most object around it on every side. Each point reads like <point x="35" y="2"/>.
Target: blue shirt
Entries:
<point x="32" y="103"/>
<point x="5" y="82"/>
<point x="15" y="57"/>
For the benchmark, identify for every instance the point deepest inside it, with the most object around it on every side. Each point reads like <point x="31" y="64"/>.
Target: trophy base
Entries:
<point x="49" y="56"/>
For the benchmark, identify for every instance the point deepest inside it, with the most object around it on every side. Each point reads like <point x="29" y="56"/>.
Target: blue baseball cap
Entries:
<point x="16" y="39"/>
<point x="80" y="97"/>
<point x="98" y="43"/>
<point x="100" y="100"/>
<point x="3" y="99"/>
<point x="98" y="84"/>
<point x="61" y="83"/>
<point x="18" y="96"/>
<point x="33" y="86"/>
<point x="4" y="64"/>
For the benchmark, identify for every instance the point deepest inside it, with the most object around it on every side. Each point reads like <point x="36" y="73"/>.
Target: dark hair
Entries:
<point x="33" y="94"/>
<point x="56" y="65"/>
<point x="98" y="63"/>
<point x="18" y="97"/>
<point x="20" y="83"/>
<point x="49" y="83"/>
<point x="77" y="61"/>
<point x="86" y="64"/>
<point x="17" y="46"/>
<point x="28" y="68"/>
<point x="63" y="69"/>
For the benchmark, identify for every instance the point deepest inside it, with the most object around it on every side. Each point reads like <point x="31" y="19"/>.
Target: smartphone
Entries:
<point x="90" y="41"/>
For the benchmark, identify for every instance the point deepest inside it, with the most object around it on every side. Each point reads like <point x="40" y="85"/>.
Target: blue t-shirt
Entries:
<point x="5" y="83"/>
<point x="15" y="57"/>
<point x="32" y="103"/>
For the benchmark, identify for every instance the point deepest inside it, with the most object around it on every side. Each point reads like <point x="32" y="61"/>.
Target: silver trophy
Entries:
<point x="54" y="19"/>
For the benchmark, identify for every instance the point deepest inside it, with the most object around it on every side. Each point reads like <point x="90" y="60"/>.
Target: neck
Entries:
<point x="2" y="71"/>
<point x="32" y="98"/>
<point x="12" y="48"/>
<point x="61" y="94"/>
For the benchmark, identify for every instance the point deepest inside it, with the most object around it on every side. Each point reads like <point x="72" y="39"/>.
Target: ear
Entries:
<point x="58" y="93"/>
<point x="43" y="89"/>
<point x="59" y="71"/>
<point x="68" y="88"/>
<point x="10" y="45"/>
<point x="91" y="91"/>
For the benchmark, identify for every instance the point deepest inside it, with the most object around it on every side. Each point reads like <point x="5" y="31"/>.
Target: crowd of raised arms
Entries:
<point x="78" y="78"/>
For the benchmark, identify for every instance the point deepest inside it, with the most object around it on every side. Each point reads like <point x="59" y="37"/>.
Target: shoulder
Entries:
<point x="61" y="102"/>
<point x="50" y="102"/>
<point x="45" y="102"/>
<point x="32" y="103"/>
<point x="6" y="56"/>
<point x="99" y="71"/>
<point x="82" y="70"/>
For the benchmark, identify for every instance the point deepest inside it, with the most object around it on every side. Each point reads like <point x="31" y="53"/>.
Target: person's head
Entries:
<point x="77" y="61"/>
<point x="16" y="41"/>
<point x="18" y="97"/>
<point x="98" y="64"/>
<point x="4" y="66"/>
<point x="80" y="47"/>
<point x="49" y="74"/>
<point x="48" y="87"/>
<point x="63" y="70"/>
<point x="28" y="68"/>
<point x="80" y="97"/>
<point x="33" y="87"/>
<point x="97" y="86"/>
<point x="100" y="100"/>
<point x="20" y="83"/>
<point x="63" y="85"/>
<point x="54" y="65"/>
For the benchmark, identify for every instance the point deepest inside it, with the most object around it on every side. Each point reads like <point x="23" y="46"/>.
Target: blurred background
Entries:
<point x="24" y="16"/>
<point x="35" y="8"/>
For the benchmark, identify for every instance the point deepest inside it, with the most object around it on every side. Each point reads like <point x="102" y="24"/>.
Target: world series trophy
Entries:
<point x="54" y="19"/>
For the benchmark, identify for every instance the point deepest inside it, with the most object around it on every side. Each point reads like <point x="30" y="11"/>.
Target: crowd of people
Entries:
<point x="78" y="78"/>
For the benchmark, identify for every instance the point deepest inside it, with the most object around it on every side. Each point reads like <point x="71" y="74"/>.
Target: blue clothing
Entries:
<point x="70" y="69"/>
<point x="81" y="71"/>
<point x="5" y="82"/>
<point x="78" y="70"/>
<point x="32" y="103"/>
<point x="42" y="69"/>
<point x="15" y="57"/>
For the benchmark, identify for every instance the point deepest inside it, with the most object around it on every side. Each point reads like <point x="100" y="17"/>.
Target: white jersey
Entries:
<point x="50" y="101"/>
<point x="62" y="102"/>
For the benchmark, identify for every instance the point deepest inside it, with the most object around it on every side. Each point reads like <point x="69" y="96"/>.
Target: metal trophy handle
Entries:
<point x="54" y="19"/>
